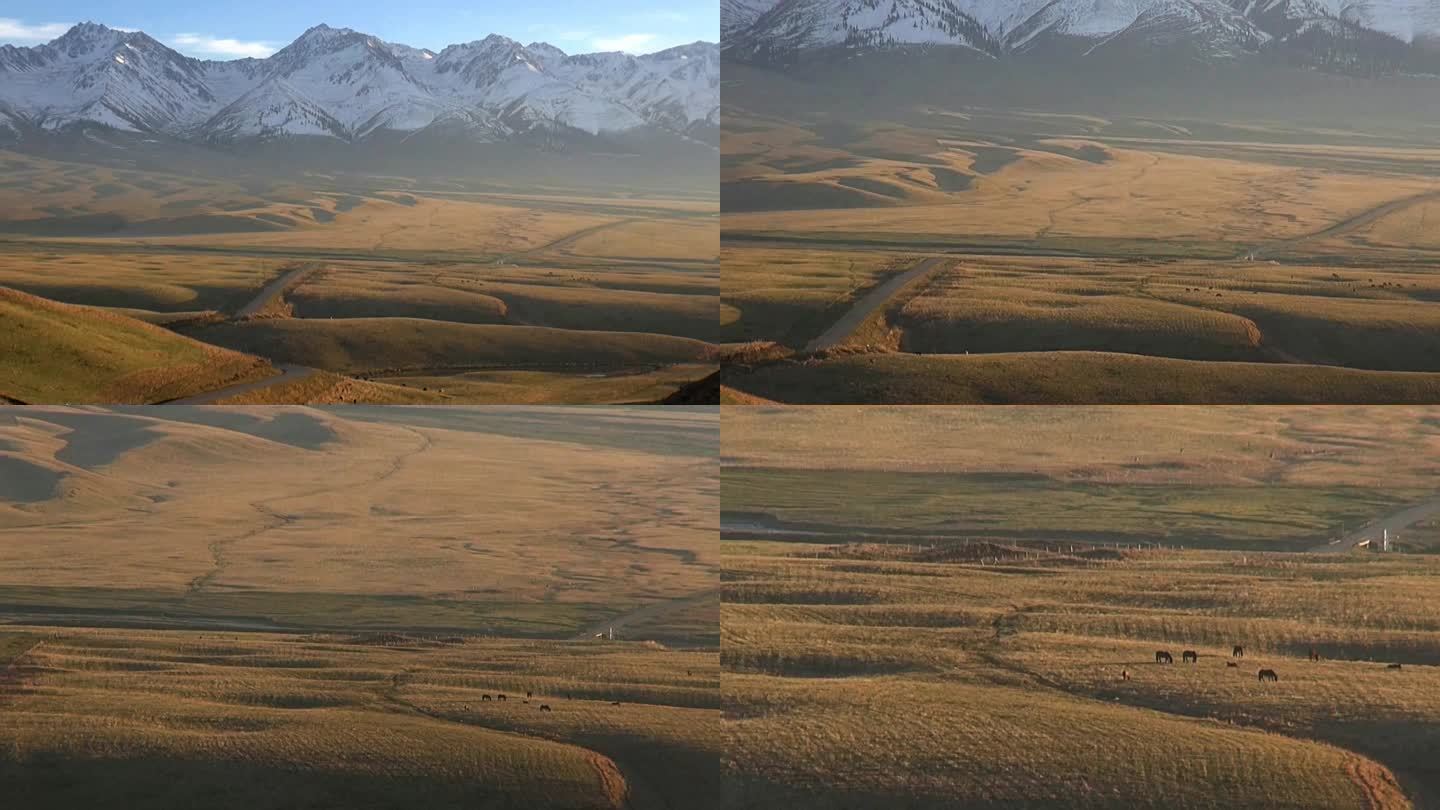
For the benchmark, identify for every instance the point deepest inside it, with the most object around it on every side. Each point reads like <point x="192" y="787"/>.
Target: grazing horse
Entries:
<point x="1190" y="657"/>
<point x="1237" y="652"/>
<point x="1162" y="657"/>
<point x="500" y="696"/>
<point x="484" y="698"/>
<point x="1268" y="675"/>
<point x="544" y="707"/>
<point x="1393" y="666"/>
<point x="1232" y="665"/>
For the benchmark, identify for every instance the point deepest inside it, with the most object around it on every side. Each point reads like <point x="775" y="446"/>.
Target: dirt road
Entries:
<point x="871" y="303"/>
<point x="288" y="373"/>
<point x="650" y="611"/>
<point x="276" y="288"/>
<point x="1347" y="225"/>
<point x="1395" y="521"/>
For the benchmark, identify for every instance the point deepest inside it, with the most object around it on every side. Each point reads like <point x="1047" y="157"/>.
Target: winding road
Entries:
<point x="1394" y="522"/>
<point x="871" y="303"/>
<point x="288" y="373"/>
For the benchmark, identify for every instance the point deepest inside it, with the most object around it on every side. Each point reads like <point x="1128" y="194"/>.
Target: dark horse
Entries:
<point x="1190" y="657"/>
<point x="484" y="698"/>
<point x="1237" y="652"/>
<point x="500" y="696"/>
<point x="1393" y="666"/>
<point x="544" y="707"/>
<point x="1232" y="665"/>
<point x="1268" y="675"/>
<point x="1162" y="657"/>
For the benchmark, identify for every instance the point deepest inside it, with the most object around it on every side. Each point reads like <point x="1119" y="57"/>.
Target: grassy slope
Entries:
<point x="1073" y="378"/>
<point x="999" y="679"/>
<point x="132" y="718"/>
<point x="62" y="353"/>
<point x="362" y="345"/>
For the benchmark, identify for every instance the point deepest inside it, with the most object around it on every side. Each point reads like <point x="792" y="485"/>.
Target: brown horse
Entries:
<point x="1314" y="656"/>
<point x="614" y="703"/>
<point x="1232" y="665"/>
<point x="1124" y="674"/>
<point x="544" y="707"/>
<point x="484" y="698"/>
<point x="500" y="696"/>
<point x="1393" y="666"/>
<point x="1268" y="675"/>
<point x="1162" y="657"/>
<point x="1190" y="657"/>
<point x="1237" y="652"/>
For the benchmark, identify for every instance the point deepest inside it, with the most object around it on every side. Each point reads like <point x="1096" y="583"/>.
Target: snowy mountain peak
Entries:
<point x="337" y="82"/>
<point x="775" y="28"/>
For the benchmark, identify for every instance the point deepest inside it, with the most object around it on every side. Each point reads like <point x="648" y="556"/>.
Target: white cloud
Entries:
<point x="19" y="33"/>
<point x="574" y="36"/>
<point x="629" y="43"/>
<point x="205" y="45"/>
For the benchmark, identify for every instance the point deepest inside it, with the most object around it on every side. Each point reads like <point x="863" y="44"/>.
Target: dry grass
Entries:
<point x="62" y="353"/>
<point x="1073" y="378"/>
<point x="253" y="720"/>
<point x="375" y="517"/>
<point x="1000" y="685"/>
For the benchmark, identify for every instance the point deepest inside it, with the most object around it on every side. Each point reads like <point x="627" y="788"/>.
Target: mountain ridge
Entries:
<point x="1372" y="36"/>
<point x="345" y="84"/>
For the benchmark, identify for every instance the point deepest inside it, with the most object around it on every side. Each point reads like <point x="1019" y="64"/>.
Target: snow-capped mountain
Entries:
<point x="737" y="15"/>
<point x="757" y="29"/>
<point x="345" y="84"/>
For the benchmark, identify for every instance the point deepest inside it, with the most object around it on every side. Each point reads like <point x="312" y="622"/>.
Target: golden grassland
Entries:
<point x="527" y="522"/>
<point x="1288" y="478"/>
<point x="790" y="296"/>
<point x="932" y="606"/>
<point x="324" y="388"/>
<point x="1070" y="378"/>
<point x="1059" y="187"/>
<point x="860" y="676"/>
<point x="393" y="345"/>
<point x="1219" y="234"/>
<point x="539" y="387"/>
<point x="116" y="718"/>
<point x="61" y="353"/>
<point x="183" y="250"/>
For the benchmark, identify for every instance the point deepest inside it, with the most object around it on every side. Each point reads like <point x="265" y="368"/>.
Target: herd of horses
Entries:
<point x="1238" y="651"/>
<point x="501" y="697"/>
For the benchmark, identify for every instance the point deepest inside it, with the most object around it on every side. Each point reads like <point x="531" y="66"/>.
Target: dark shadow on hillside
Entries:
<point x="52" y="781"/>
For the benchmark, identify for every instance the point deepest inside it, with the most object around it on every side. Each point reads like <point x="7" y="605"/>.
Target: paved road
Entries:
<point x="650" y="611"/>
<point x="1395" y="521"/>
<point x="274" y="290"/>
<point x="288" y="373"/>
<point x="870" y="304"/>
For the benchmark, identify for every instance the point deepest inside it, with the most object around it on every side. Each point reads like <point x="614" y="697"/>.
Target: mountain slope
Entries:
<point x="1379" y="34"/>
<point x="345" y="84"/>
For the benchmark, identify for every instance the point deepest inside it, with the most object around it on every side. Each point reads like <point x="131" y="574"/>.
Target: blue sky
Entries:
<point x="259" y="27"/>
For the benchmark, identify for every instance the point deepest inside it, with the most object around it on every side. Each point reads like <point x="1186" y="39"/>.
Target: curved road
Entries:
<point x="1395" y="521"/>
<point x="870" y="304"/>
<point x="288" y="373"/>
